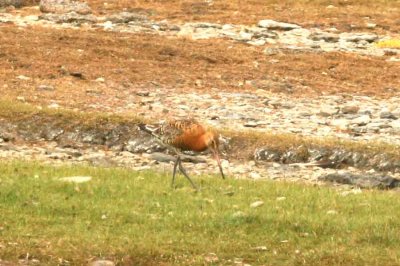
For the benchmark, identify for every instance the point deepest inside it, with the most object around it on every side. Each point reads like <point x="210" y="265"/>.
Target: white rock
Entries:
<point x="53" y="106"/>
<point x="361" y="120"/>
<point x="254" y="175"/>
<point x="272" y="24"/>
<point x="257" y="204"/>
<point x="332" y="212"/>
<point x="340" y="123"/>
<point x="22" y="77"/>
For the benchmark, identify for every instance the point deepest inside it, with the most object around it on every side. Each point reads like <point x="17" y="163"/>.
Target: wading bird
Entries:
<point x="186" y="135"/>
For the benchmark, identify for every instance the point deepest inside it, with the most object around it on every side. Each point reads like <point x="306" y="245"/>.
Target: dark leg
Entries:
<point x="178" y="159"/>
<point x="186" y="175"/>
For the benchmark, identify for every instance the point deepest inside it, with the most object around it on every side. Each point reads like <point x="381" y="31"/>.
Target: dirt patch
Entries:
<point x="71" y="61"/>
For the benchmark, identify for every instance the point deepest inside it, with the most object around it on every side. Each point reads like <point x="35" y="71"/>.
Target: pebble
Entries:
<point x="22" y="77"/>
<point x="46" y="88"/>
<point x="257" y="204"/>
<point x="387" y="115"/>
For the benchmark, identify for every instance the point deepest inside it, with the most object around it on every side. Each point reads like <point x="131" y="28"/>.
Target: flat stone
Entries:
<point x="362" y="120"/>
<point x="362" y="180"/>
<point x="71" y="17"/>
<point x="64" y="6"/>
<point x="340" y="123"/>
<point x="257" y="204"/>
<point x="387" y="115"/>
<point x="358" y="37"/>
<point x="324" y="36"/>
<point x="45" y="88"/>
<point x="351" y="109"/>
<point x="125" y="17"/>
<point x="251" y="124"/>
<point x="272" y="24"/>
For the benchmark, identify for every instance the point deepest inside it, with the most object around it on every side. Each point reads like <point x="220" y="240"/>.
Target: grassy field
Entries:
<point x="135" y="218"/>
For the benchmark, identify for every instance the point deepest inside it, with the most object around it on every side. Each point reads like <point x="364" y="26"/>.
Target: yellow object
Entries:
<point x="391" y="43"/>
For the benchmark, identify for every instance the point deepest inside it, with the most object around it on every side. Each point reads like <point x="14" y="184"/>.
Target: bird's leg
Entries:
<point x="178" y="159"/>
<point x="186" y="175"/>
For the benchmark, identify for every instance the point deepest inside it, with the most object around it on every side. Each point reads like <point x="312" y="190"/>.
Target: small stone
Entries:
<point x="100" y="80"/>
<point x="21" y="98"/>
<point x="358" y="37"/>
<point x="162" y="157"/>
<point x="245" y="36"/>
<point x="53" y="106"/>
<point x="260" y="248"/>
<point x="271" y="24"/>
<point x="387" y="115"/>
<point x="251" y="124"/>
<point x="350" y="109"/>
<point x="331" y="212"/>
<point x="108" y="25"/>
<point x="257" y="204"/>
<point x="143" y="93"/>
<point x="340" y="123"/>
<point x="326" y="111"/>
<point x="258" y="42"/>
<point x="77" y="74"/>
<point x="362" y="120"/>
<point x="46" y="88"/>
<point x="254" y="175"/>
<point x="22" y="77"/>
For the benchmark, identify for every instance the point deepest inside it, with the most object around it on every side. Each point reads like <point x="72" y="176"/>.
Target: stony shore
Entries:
<point x="348" y="117"/>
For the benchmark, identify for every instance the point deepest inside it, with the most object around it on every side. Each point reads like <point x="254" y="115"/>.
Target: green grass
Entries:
<point x="137" y="219"/>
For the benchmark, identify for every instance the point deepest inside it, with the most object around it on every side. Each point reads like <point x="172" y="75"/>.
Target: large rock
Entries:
<point x="71" y="17"/>
<point x="64" y="6"/>
<point x="125" y="17"/>
<point x="144" y="145"/>
<point x="362" y="180"/>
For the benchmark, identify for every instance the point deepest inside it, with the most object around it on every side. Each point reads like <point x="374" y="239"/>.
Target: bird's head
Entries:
<point x="212" y="141"/>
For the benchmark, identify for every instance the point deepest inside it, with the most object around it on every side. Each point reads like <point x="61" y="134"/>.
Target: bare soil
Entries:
<point x="131" y="62"/>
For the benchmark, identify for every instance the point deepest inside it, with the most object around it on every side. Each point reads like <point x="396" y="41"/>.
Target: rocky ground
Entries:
<point x="252" y="103"/>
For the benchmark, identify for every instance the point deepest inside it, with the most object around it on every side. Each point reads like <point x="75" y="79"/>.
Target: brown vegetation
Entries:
<point x="342" y="14"/>
<point x="129" y="62"/>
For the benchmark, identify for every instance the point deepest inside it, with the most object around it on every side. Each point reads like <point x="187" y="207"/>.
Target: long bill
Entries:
<point x="217" y="158"/>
